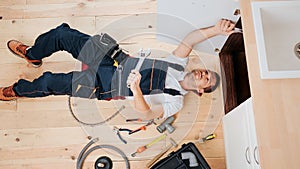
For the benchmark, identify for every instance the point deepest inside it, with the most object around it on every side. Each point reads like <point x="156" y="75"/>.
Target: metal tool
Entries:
<point x="117" y="131"/>
<point x="143" y="148"/>
<point x="140" y="120"/>
<point x="172" y="144"/>
<point x="142" y="55"/>
<point x="144" y="126"/>
<point x="148" y="122"/>
<point x="119" y="79"/>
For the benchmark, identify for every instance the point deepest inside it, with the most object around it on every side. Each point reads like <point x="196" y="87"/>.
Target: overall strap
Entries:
<point x="172" y="92"/>
<point x="153" y="71"/>
<point x="176" y="66"/>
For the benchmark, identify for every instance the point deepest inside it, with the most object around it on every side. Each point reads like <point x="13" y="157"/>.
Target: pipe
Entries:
<point x="85" y="148"/>
<point x="83" y="154"/>
<point x="191" y="157"/>
<point x="166" y="125"/>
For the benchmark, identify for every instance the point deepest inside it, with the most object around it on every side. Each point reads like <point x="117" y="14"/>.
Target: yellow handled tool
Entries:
<point x="209" y="137"/>
<point x="143" y="148"/>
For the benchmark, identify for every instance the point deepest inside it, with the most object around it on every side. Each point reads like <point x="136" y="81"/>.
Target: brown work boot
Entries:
<point x="19" y="49"/>
<point x="7" y="93"/>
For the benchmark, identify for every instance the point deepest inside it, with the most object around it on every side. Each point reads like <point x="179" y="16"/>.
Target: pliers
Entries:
<point x="117" y="131"/>
<point x="148" y="122"/>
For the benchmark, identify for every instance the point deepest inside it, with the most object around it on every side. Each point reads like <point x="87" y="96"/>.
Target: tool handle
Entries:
<point x="121" y="138"/>
<point x="139" y="129"/>
<point x="124" y="129"/>
<point x="130" y="120"/>
<point x="141" y="149"/>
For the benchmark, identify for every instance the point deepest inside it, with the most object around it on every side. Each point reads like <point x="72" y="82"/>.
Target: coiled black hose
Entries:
<point x="84" y="153"/>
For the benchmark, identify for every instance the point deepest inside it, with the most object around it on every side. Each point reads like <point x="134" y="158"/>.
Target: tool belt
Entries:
<point x="96" y="53"/>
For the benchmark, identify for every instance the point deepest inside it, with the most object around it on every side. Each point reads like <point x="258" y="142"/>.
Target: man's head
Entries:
<point x="202" y="80"/>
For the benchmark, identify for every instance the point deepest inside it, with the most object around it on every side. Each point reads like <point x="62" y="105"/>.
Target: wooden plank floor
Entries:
<point x="41" y="133"/>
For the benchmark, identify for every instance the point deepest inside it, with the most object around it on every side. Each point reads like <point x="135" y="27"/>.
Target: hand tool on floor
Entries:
<point x="136" y="130"/>
<point x="117" y="131"/>
<point x="143" y="148"/>
<point x="141" y="120"/>
<point x="208" y="137"/>
<point x="172" y="144"/>
<point x="149" y="122"/>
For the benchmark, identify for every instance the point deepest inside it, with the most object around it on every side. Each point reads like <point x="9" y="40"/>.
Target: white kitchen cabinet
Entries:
<point x="176" y="18"/>
<point x="240" y="138"/>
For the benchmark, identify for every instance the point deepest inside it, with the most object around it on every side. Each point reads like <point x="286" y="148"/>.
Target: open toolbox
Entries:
<point x="187" y="157"/>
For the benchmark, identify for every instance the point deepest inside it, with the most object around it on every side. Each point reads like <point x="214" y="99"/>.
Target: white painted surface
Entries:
<point x="179" y="17"/>
<point x="276" y="25"/>
<point x="240" y="138"/>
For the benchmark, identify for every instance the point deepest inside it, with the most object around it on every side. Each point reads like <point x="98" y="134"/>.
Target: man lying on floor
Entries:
<point x="160" y="80"/>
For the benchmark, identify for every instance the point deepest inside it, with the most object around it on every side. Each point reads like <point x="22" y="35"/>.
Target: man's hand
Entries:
<point x="224" y="27"/>
<point x="134" y="80"/>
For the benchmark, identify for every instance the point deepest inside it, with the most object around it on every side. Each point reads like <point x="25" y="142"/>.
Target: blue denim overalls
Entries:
<point x="99" y="80"/>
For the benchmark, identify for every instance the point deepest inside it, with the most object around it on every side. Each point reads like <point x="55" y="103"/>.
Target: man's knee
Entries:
<point x="46" y="80"/>
<point x="50" y="81"/>
<point x="60" y="30"/>
<point x="63" y="25"/>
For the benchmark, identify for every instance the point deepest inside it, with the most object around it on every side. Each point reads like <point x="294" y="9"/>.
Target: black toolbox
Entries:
<point x="187" y="157"/>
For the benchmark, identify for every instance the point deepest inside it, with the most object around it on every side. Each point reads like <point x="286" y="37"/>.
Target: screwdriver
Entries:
<point x="209" y="137"/>
<point x="143" y="148"/>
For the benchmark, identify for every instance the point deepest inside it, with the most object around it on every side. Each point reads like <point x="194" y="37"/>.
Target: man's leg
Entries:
<point x="45" y="85"/>
<point x="61" y="38"/>
<point x="78" y="84"/>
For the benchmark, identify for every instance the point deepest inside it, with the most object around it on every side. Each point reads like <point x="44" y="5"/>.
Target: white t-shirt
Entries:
<point x="171" y="104"/>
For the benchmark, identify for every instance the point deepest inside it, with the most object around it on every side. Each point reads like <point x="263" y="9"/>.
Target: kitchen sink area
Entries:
<point x="276" y="25"/>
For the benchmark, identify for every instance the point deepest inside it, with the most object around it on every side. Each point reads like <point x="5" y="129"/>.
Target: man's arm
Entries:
<point x="140" y="103"/>
<point x="223" y="27"/>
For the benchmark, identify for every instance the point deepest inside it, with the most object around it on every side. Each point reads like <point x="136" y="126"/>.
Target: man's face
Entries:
<point x="202" y="79"/>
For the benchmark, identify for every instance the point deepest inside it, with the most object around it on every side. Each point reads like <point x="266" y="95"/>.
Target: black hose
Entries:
<point x="83" y="154"/>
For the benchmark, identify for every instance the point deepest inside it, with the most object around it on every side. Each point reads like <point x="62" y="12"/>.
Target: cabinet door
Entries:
<point x="236" y="138"/>
<point x="252" y="133"/>
<point x="176" y="18"/>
